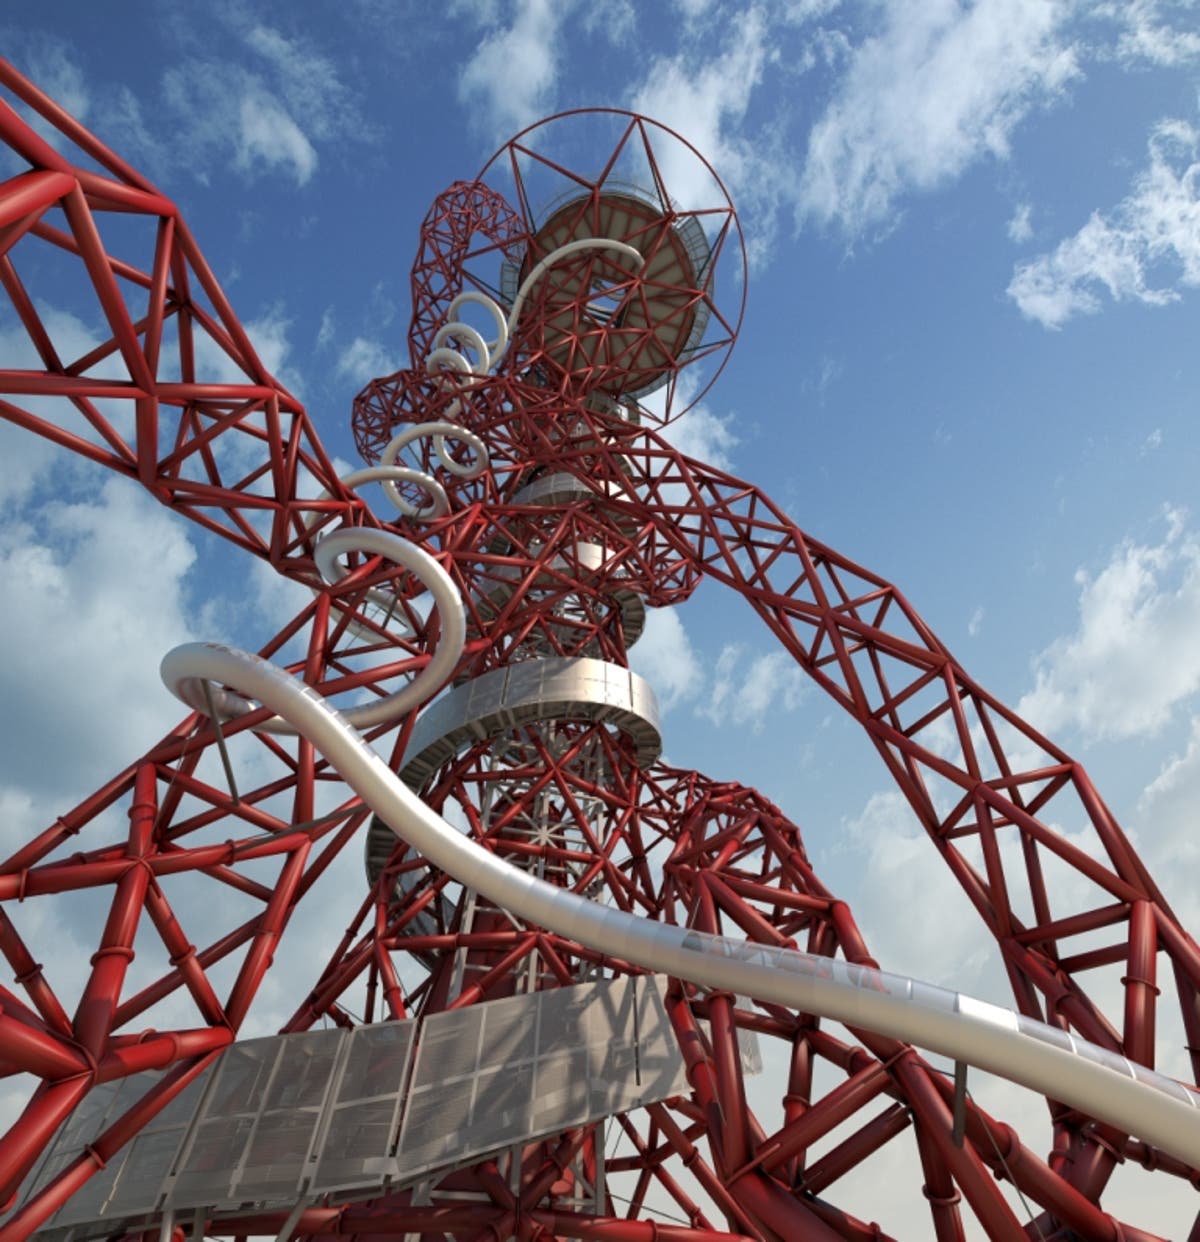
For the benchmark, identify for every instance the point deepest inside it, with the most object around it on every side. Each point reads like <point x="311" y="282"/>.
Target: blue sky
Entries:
<point x="968" y="361"/>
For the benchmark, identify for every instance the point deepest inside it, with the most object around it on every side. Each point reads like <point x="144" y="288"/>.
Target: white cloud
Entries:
<point x="831" y="370"/>
<point x="1147" y="38"/>
<point x="266" y="135"/>
<point x="895" y="859"/>
<point x="268" y="334"/>
<point x="800" y="11"/>
<point x="1020" y="227"/>
<point x="309" y="85"/>
<point x="703" y="435"/>
<point x="941" y="87"/>
<point x="1166" y="828"/>
<point x="363" y="360"/>
<point x="744" y="693"/>
<point x="87" y="686"/>
<point x="28" y="458"/>
<point x="1133" y="656"/>
<point x="1175" y="792"/>
<point x="975" y="624"/>
<point x="48" y="63"/>
<point x="264" y="116"/>
<point x="664" y="655"/>
<point x="509" y="82"/>
<point x="615" y="20"/>
<point x="325" y="333"/>
<point x="1157" y="224"/>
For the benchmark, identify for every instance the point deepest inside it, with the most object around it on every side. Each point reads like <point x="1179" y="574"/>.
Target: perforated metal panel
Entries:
<point x="493" y="1075"/>
<point x="357" y="1140"/>
<point x="132" y="1182"/>
<point x="334" y="1111"/>
<point x="550" y="688"/>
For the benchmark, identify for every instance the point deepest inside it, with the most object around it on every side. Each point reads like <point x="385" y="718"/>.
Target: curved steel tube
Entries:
<point x="1045" y="1059"/>
<point x="230" y="704"/>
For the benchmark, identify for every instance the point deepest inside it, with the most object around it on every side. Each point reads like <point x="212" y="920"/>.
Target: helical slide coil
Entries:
<point x="450" y="367"/>
<point x="1046" y="1059"/>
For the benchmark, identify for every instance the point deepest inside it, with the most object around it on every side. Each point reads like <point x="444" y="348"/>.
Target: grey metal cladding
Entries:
<point x="492" y="1075"/>
<point x="554" y="688"/>
<point x="355" y="1145"/>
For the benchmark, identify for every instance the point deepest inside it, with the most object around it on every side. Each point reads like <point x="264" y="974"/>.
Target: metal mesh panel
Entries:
<point x="276" y="1159"/>
<point x="81" y="1127"/>
<point x="272" y="1112"/>
<point x="508" y="1071"/>
<point x="563" y="1095"/>
<point x="145" y="1171"/>
<point x="661" y="1072"/>
<point x="132" y="1182"/>
<point x="376" y="1061"/>
<point x="223" y="1130"/>
<point x="436" y="1126"/>
<point x="207" y="1173"/>
<point x="356" y="1146"/>
<point x="748" y="1045"/>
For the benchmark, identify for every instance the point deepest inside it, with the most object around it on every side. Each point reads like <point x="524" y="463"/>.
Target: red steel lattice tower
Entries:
<point x="557" y="319"/>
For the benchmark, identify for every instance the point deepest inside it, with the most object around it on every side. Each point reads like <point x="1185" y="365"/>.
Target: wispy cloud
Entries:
<point x="269" y="334"/>
<point x="365" y="359"/>
<point x="939" y="88"/>
<point x="744" y="692"/>
<point x="1148" y="35"/>
<point x="265" y="109"/>
<point x="510" y="80"/>
<point x="1020" y="226"/>
<point x="50" y="65"/>
<point x="705" y="436"/>
<point x="1156" y="225"/>
<point x="613" y="20"/>
<point x="75" y="572"/>
<point x="1133" y="655"/>
<point x="665" y="656"/>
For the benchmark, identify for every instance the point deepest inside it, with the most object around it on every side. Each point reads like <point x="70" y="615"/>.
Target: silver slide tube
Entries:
<point x="1045" y="1059"/>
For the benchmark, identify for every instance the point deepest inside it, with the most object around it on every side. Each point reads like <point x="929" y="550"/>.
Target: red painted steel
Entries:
<point x="764" y="1159"/>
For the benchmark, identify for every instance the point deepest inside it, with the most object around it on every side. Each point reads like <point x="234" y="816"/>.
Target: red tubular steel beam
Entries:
<point x="28" y="973"/>
<point x="28" y="1136"/>
<point x="63" y="121"/>
<point x="1141" y="992"/>
<point x="32" y="193"/>
<point x="36" y="1211"/>
<point x="842" y="1102"/>
<point x="35" y="1051"/>
<point x="700" y="1169"/>
<point x="93" y="1018"/>
<point x="134" y="1054"/>
<point x="852" y="1151"/>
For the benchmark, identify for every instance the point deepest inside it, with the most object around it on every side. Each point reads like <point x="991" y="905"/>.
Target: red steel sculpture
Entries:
<point x="558" y="319"/>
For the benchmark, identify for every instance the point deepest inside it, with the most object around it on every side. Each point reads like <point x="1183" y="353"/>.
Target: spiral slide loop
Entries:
<point x="229" y="704"/>
<point x="448" y="365"/>
<point x="1135" y="1100"/>
<point x="451" y="368"/>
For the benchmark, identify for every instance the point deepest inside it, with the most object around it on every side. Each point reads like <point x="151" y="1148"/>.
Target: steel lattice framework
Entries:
<point x="565" y="515"/>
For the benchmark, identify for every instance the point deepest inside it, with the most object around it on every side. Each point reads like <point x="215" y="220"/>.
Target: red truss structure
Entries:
<point x="560" y="511"/>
